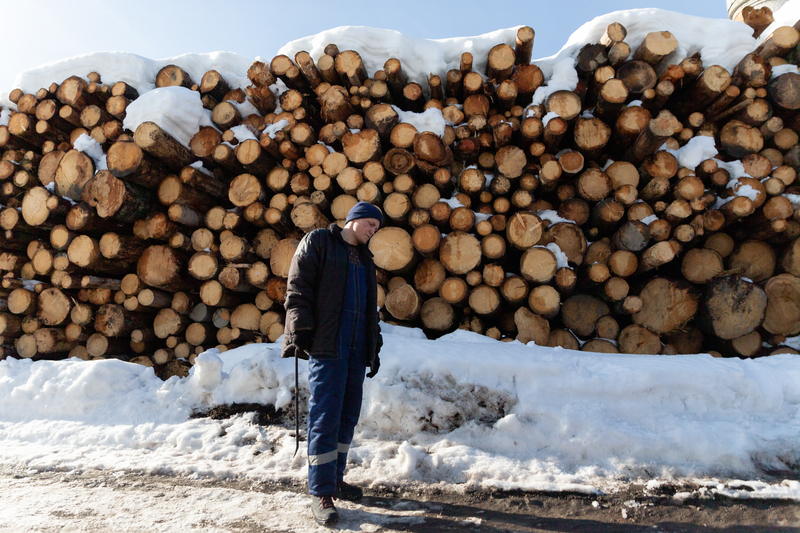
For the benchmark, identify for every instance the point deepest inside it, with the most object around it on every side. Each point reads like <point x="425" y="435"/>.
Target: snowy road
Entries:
<point x="97" y="501"/>
<point x="107" y="503"/>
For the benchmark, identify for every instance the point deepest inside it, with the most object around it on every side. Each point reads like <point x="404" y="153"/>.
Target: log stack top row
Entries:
<point x="567" y="223"/>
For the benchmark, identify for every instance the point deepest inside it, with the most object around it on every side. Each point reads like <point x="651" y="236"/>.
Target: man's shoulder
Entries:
<point x="315" y="241"/>
<point x="318" y="235"/>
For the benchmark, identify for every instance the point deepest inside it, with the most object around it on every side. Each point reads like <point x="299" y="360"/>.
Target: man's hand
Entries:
<point x="302" y="342"/>
<point x="374" y="368"/>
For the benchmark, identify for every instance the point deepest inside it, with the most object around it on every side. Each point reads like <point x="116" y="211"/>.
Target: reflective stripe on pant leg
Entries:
<point x="324" y="457"/>
<point x="327" y="380"/>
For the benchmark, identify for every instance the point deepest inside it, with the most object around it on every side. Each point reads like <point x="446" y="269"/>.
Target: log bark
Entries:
<point x="656" y="47"/>
<point x="657" y="131"/>
<point x="111" y="320"/>
<point x="524" y="45"/>
<point x="172" y="190"/>
<point x="152" y="139"/>
<point x="112" y="197"/>
<point x="73" y="92"/>
<point x="637" y="76"/>
<point x="709" y="86"/>
<point x="253" y="158"/>
<point x="779" y="42"/>
<point x="350" y="68"/>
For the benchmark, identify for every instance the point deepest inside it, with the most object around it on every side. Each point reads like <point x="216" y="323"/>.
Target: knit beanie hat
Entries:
<point x="364" y="210"/>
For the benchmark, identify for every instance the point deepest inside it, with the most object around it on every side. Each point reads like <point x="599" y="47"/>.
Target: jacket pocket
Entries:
<point x="326" y="356"/>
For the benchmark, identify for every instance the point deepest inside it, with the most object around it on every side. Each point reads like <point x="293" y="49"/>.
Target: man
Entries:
<point x="332" y="320"/>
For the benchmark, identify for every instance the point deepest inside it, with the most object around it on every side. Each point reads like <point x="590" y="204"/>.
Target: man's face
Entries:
<point x="364" y="228"/>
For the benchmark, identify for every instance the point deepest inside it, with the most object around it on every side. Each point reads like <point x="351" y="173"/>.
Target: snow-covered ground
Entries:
<point x="117" y="503"/>
<point x="463" y="411"/>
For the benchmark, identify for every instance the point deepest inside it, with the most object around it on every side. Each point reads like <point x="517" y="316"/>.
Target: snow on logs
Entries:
<point x="570" y="223"/>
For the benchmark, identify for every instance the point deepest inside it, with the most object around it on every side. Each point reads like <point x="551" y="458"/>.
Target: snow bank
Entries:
<point x="420" y="57"/>
<point x="464" y="409"/>
<point x="719" y="41"/>
<point x="137" y="71"/>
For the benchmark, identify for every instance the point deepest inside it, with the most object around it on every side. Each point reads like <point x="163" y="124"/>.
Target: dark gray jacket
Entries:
<point x="315" y="295"/>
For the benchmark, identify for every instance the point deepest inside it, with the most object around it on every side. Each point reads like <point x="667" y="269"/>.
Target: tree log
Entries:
<point x="460" y="252"/>
<point x="392" y="249"/>
<point x="637" y="339"/>
<point x="783" y="305"/>
<point x="152" y="139"/>
<point x="667" y="306"/>
<point x="161" y="266"/>
<point x="732" y="307"/>
<point x="53" y="307"/>
<point x="580" y="314"/>
<point x="404" y="303"/>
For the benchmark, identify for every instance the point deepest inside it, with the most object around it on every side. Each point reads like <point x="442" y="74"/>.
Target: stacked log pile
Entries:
<point x="564" y="223"/>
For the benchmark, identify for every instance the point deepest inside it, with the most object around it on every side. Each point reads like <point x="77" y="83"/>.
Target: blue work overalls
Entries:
<point x="336" y="390"/>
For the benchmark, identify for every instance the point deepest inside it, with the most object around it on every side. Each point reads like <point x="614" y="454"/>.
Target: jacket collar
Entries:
<point x="336" y="230"/>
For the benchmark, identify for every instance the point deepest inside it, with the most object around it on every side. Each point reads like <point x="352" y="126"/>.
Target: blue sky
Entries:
<point x="56" y="29"/>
